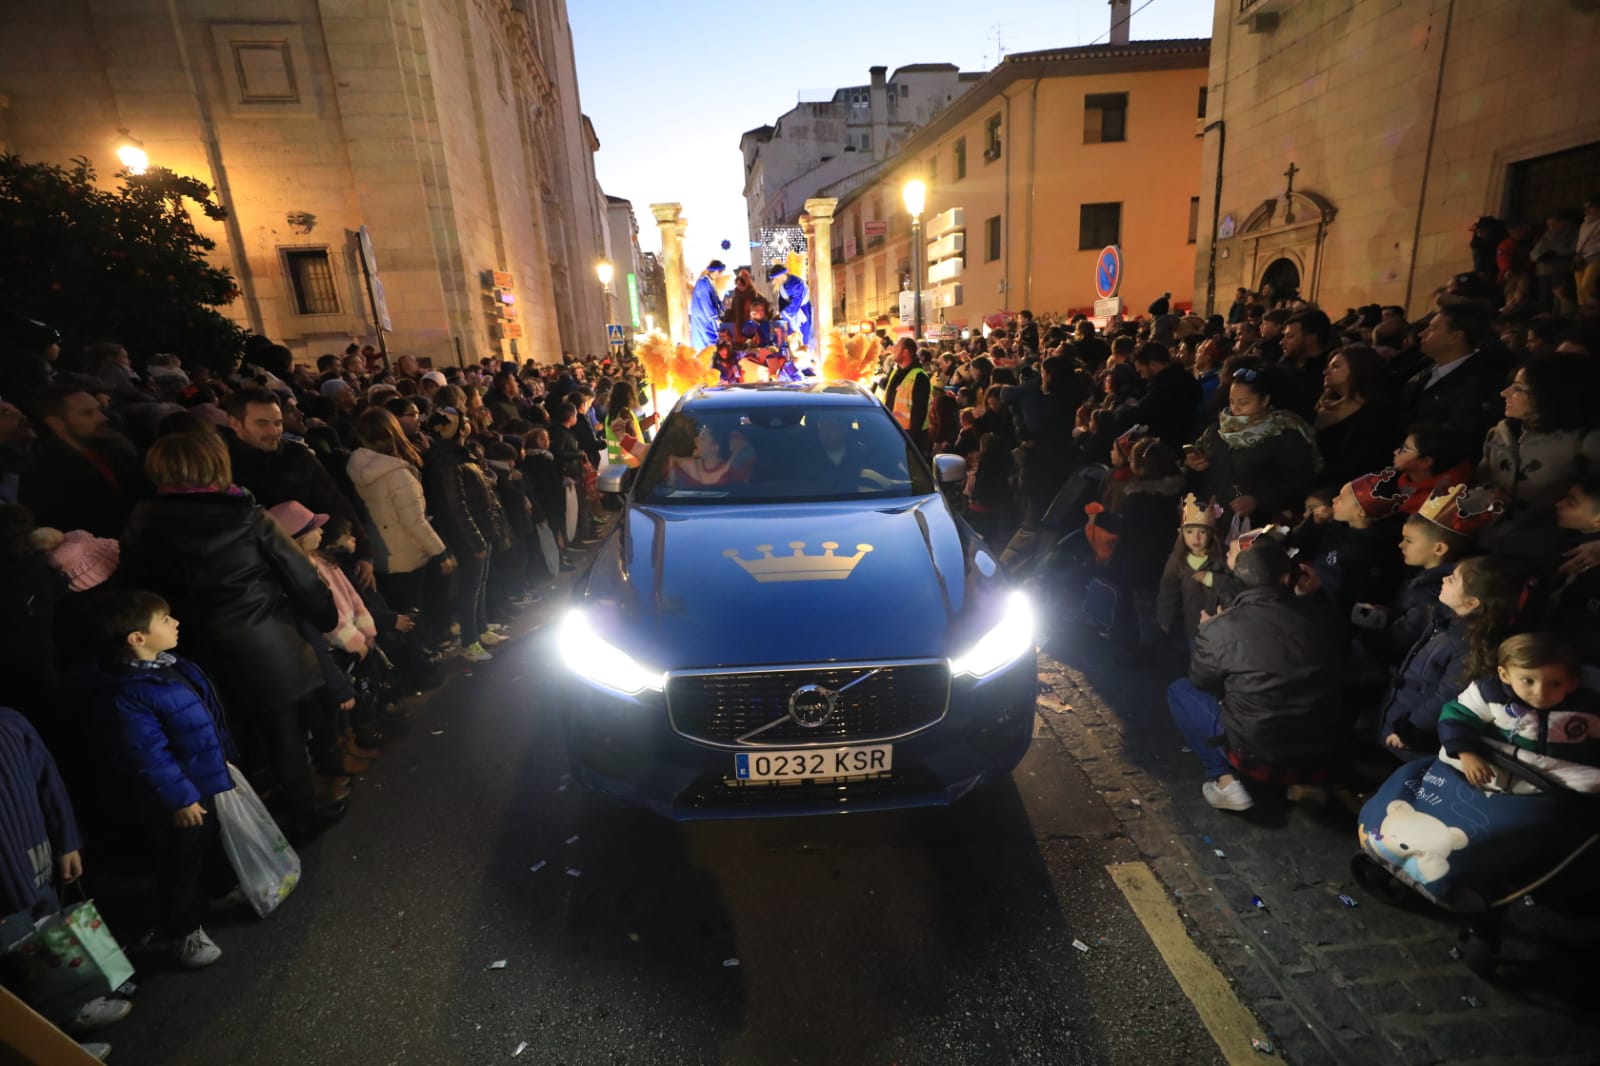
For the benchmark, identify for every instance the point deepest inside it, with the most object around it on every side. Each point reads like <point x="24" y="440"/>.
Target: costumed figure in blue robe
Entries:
<point x="705" y="307"/>
<point x="794" y="303"/>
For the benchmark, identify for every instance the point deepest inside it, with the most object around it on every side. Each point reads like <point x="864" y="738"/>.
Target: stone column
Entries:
<point x="670" y="220"/>
<point x="821" y="281"/>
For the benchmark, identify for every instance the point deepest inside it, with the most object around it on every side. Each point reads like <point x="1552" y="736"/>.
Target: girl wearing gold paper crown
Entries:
<point x="1196" y="577"/>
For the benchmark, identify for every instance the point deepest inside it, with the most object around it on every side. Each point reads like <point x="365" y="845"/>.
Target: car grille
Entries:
<point x="721" y="708"/>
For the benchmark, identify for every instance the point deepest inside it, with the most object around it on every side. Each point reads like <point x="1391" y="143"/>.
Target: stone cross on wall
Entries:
<point x="1288" y="194"/>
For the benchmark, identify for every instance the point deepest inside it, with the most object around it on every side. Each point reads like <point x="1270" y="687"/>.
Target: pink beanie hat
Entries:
<point x="86" y="559"/>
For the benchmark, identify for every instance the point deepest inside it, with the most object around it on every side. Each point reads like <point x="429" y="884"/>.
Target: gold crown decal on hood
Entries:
<point x="800" y="566"/>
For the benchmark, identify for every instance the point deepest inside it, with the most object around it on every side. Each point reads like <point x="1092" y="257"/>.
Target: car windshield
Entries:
<point x="768" y="453"/>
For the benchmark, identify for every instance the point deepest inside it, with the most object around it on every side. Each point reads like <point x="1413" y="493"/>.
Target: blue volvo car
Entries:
<point x="789" y="619"/>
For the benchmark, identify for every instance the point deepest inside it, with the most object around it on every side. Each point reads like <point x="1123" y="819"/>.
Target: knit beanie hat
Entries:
<point x="85" y="559"/>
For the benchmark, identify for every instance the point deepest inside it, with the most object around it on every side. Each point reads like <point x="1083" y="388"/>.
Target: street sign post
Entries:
<point x="614" y="334"/>
<point x="1108" y="272"/>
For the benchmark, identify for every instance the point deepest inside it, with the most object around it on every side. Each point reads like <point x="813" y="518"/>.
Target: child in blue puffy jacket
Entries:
<point x="160" y="748"/>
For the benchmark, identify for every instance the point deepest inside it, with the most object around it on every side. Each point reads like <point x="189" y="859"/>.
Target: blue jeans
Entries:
<point x="1198" y="717"/>
<point x="472" y="585"/>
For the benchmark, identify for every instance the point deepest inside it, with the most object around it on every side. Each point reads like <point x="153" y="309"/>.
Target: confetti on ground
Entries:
<point x="1346" y="900"/>
<point x="520" y="1049"/>
<point x="497" y="964"/>
<point x="536" y="867"/>
<point x="1263" y="1046"/>
<point x="438" y="732"/>
<point x="633" y="937"/>
<point x="561" y="788"/>
<point x="729" y="963"/>
<point x="1258" y="903"/>
<point x="1081" y="946"/>
<point x="1472" y="1001"/>
<point x="573" y="871"/>
<point x="573" y="839"/>
<point x="1219" y="853"/>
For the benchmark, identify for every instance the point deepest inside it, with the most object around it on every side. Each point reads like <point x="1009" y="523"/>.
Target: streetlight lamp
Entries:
<point x="916" y="196"/>
<point x="131" y="154"/>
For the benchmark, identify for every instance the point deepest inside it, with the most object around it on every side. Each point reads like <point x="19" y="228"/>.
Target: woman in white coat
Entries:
<point x="387" y="472"/>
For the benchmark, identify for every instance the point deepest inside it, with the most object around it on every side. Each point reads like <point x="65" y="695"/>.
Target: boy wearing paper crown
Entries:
<point x="1355" y="557"/>
<point x="1437" y="533"/>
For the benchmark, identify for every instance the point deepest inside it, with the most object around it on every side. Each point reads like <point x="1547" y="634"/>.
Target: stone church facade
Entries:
<point x="449" y="129"/>
<point x="1350" y="144"/>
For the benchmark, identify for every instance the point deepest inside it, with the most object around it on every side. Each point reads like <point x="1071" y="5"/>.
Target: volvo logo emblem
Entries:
<point x="811" y="705"/>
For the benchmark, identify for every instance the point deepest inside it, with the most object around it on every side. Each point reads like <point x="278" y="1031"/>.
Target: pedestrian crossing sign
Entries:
<point x="614" y="334"/>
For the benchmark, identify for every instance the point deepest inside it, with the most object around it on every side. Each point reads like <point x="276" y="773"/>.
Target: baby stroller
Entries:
<point x="1428" y="834"/>
<point x="1056" y="544"/>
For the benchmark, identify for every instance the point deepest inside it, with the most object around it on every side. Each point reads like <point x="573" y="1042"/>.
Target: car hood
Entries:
<point x="712" y="586"/>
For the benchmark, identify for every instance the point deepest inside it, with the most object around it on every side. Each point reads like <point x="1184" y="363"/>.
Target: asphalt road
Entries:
<point x="929" y="937"/>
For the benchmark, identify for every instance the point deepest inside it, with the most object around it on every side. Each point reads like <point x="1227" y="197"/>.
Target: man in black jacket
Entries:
<point x="276" y="471"/>
<point x="1170" y="405"/>
<point x="81" y="475"/>
<point x="1461" y="383"/>
<point x="1264" y="680"/>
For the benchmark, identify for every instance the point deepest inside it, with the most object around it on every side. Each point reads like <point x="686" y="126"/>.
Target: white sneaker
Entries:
<point x="476" y="653"/>
<point x="98" y="1013"/>
<point x="98" y="1052"/>
<point x="196" y="951"/>
<point x="499" y="629"/>
<point x="490" y="638"/>
<point x="1233" y="798"/>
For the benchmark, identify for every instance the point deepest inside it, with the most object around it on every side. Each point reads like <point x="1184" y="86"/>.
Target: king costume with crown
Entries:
<point x="794" y="303"/>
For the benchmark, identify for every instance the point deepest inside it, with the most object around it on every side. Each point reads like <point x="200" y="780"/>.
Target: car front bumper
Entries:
<point x="626" y="747"/>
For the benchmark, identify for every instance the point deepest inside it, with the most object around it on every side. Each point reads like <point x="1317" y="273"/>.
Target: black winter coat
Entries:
<point x="1410" y="615"/>
<point x="1278" y="471"/>
<point x="293" y="472"/>
<point x="67" y="491"/>
<point x="1276" y="662"/>
<point x="1170" y="406"/>
<point x="238" y="586"/>
<point x="461" y="501"/>
<point x="1467" y="399"/>
<point x="1432" y="674"/>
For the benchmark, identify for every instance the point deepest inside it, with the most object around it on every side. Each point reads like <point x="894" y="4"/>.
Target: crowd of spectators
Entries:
<point x="324" y="538"/>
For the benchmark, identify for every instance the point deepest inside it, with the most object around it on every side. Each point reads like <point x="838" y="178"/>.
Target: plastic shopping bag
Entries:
<point x="571" y="515"/>
<point x="267" y="867"/>
<point x="68" y="959"/>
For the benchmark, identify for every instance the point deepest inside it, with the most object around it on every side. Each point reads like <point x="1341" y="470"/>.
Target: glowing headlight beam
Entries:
<point x="601" y="663"/>
<point x="1009" y="639"/>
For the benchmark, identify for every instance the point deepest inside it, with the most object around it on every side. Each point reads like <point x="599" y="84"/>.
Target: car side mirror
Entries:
<point x="949" y="469"/>
<point x="613" y="480"/>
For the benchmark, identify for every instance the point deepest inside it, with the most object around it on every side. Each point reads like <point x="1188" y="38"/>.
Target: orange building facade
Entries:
<point x="1047" y="160"/>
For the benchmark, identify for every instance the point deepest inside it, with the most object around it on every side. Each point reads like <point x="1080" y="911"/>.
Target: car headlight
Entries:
<point x="602" y="663"/>
<point x="1004" y="644"/>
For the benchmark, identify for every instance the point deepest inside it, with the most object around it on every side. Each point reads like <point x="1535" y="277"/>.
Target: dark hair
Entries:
<point x="1122" y="344"/>
<point x="1152" y="353"/>
<point x="564" y="411"/>
<point x="327" y="363"/>
<point x="1468" y="319"/>
<point x="1447" y="446"/>
<point x="1153" y="458"/>
<point x="1280" y="315"/>
<point x="235" y="403"/>
<point x="1498" y="584"/>
<point x="51" y="401"/>
<point x="337" y="527"/>
<point x="1369" y="373"/>
<point x="16" y="527"/>
<point x="1122" y="377"/>
<point x="1256" y="377"/>
<point x="1457" y="543"/>
<point x="114" y="613"/>
<point x="1264" y="564"/>
<point x="1216" y="550"/>
<point x="1315" y="324"/>
<point x="1561" y="389"/>
<point x="1588" y="484"/>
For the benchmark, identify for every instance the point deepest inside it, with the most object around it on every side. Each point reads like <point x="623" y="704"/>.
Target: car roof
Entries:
<point x="813" y="394"/>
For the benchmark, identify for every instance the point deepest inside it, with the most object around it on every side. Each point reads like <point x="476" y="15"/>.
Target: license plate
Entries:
<point x="813" y="763"/>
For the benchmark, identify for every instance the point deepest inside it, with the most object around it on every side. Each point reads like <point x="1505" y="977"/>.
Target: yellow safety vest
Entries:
<point x="903" y="396"/>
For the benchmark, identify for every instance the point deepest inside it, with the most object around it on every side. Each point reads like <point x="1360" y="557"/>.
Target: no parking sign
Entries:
<point x="1108" y="272"/>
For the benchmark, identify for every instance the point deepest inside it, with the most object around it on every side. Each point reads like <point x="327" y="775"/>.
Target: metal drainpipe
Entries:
<point x="1005" y="209"/>
<point x="1033" y="191"/>
<point x="1221" y="126"/>
<point x="1427" y="158"/>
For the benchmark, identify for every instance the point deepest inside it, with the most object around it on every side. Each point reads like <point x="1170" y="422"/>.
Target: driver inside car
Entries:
<point x="841" y="462"/>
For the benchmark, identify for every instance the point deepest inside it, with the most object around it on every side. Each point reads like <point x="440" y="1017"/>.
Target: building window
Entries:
<point x="1194" y="218"/>
<point x="1098" y="225"/>
<point x="1105" y="118"/>
<point x="1201" y="112"/>
<point x="991" y="138"/>
<point x="933" y="170"/>
<point x="991" y="239"/>
<point x="311" y="279"/>
<point x="961" y="158"/>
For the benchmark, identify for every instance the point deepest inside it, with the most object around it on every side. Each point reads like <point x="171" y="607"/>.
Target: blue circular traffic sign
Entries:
<point x="1108" y="271"/>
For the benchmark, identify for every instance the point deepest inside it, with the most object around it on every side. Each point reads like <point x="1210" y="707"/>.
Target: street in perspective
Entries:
<point x="1063" y="532"/>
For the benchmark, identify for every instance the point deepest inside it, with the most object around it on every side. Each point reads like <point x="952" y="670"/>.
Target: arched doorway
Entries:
<point x="1282" y="277"/>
